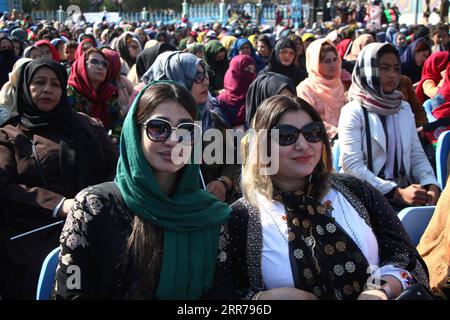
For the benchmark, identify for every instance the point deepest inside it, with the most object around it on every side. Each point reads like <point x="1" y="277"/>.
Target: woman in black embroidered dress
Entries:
<point x="336" y="234"/>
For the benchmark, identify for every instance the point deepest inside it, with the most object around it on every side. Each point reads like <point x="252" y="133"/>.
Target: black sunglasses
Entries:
<point x="98" y="63"/>
<point x="200" y="77"/>
<point x="159" y="130"/>
<point x="287" y="134"/>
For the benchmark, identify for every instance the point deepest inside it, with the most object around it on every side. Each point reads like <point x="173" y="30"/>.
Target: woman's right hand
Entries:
<point x="65" y="208"/>
<point x="286" y="294"/>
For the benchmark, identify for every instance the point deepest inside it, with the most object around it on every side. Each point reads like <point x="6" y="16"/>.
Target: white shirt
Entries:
<point x="276" y="267"/>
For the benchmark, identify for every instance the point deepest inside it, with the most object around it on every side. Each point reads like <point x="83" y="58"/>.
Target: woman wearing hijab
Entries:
<point x="377" y="133"/>
<point x="18" y="46"/>
<point x="48" y="50"/>
<point x="282" y="61"/>
<point x="145" y="59"/>
<point x="152" y="233"/>
<point x="33" y="52"/>
<point x="430" y="82"/>
<point x="84" y="46"/>
<point x="190" y="71"/>
<point x="124" y="86"/>
<point x="266" y="85"/>
<point x="8" y="93"/>
<point x="244" y="46"/>
<point x="216" y="65"/>
<point x="46" y="157"/>
<point x="357" y="45"/>
<point x="7" y="59"/>
<point x="413" y="59"/>
<point x="323" y="89"/>
<point x="91" y="93"/>
<point x="238" y="78"/>
<point x="128" y="48"/>
<point x="400" y="42"/>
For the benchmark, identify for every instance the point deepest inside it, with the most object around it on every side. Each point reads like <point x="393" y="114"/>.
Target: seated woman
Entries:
<point x="413" y="59"/>
<point x="266" y="85"/>
<point x="356" y="46"/>
<point x="244" y="46"/>
<point x="238" y="78"/>
<point x="46" y="157"/>
<point x="323" y="88"/>
<point x="377" y="133"/>
<point x="32" y="52"/>
<point x="188" y="70"/>
<point x="216" y="65"/>
<point x="434" y="246"/>
<point x="153" y="233"/>
<point x="432" y="79"/>
<point x="282" y="61"/>
<point x="91" y="93"/>
<point x="300" y="232"/>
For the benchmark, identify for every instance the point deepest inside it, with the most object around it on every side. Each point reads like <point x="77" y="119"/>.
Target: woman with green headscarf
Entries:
<point x="153" y="233"/>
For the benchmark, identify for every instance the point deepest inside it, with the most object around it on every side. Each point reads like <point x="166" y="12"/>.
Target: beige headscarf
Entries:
<point x="8" y="95"/>
<point x="326" y="96"/>
<point x="357" y="45"/>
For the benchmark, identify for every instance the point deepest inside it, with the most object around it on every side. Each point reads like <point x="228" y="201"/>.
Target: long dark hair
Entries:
<point x="143" y="252"/>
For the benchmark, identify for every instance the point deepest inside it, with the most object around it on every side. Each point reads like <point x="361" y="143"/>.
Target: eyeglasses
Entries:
<point x="159" y="130"/>
<point x="287" y="134"/>
<point x="97" y="63"/>
<point x="200" y="77"/>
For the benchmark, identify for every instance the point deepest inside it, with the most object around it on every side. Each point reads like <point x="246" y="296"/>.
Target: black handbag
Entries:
<point x="416" y="292"/>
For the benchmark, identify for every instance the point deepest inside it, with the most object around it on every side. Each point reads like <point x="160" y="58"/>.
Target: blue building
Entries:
<point x="8" y="5"/>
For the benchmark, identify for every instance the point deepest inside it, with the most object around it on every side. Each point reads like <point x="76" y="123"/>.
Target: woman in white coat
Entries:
<point x="377" y="135"/>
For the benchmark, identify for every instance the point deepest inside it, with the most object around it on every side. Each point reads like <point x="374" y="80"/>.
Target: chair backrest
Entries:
<point x="415" y="220"/>
<point x="442" y="152"/>
<point x="47" y="275"/>
<point x="336" y="154"/>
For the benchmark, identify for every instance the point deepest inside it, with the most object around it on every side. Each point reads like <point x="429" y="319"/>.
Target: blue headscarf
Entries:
<point x="260" y="64"/>
<point x="409" y="67"/>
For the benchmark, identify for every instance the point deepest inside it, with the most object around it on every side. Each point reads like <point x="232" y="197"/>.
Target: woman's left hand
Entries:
<point x="433" y="195"/>
<point x="373" y="294"/>
<point x="217" y="189"/>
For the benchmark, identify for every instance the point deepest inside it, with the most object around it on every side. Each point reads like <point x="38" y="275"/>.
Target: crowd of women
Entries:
<point x="91" y="123"/>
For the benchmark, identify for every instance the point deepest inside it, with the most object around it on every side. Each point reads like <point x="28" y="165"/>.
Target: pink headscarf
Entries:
<point x="326" y="96"/>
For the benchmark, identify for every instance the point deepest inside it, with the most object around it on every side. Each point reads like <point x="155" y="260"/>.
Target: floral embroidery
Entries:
<point x="307" y="273"/>
<point x="222" y="257"/>
<point x="291" y="236"/>
<point x="73" y="241"/>
<point x="331" y="228"/>
<point x="350" y="267"/>
<point x="329" y="249"/>
<point x="310" y="210"/>
<point x="338" y="270"/>
<point x="296" y="222"/>
<point x="320" y="230"/>
<point x="94" y="204"/>
<point x="66" y="259"/>
<point x="306" y="224"/>
<point x="340" y="246"/>
<point x="347" y="289"/>
<point x="298" y="253"/>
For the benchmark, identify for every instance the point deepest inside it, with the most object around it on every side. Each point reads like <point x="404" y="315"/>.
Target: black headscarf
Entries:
<point x="79" y="141"/>
<point x="267" y="84"/>
<point x="290" y="71"/>
<point x="7" y="60"/>
<point x="146" y="58"/>
<point x="123" y="49"/>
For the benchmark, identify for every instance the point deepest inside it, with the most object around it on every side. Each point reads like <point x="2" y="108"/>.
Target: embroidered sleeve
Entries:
<point x="74" y="274"/>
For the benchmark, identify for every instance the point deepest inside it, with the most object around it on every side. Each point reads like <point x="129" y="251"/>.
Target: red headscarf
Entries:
<point x="80" y="51"/>
<point x="342" y="47"/>
<point x="432" y="69"/>
<point x="55" y="54"/>
<point x="113" y="58"/>
<point x="236" y="83"/>
<point x="79" y="80"/>
<point x="445" y="90"/>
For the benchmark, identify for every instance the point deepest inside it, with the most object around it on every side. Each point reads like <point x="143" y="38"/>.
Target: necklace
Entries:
<point x="355" y="238"/>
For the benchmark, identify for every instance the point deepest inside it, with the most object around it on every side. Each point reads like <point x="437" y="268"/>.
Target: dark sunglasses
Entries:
<point x="159" y="130"/>
<point x="98" y="63"/>
<point x="287" y="134"/>
<point x="200" y="77"/>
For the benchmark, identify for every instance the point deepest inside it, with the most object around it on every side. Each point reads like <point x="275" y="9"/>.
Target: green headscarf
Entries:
<point x="191" y="217"/>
